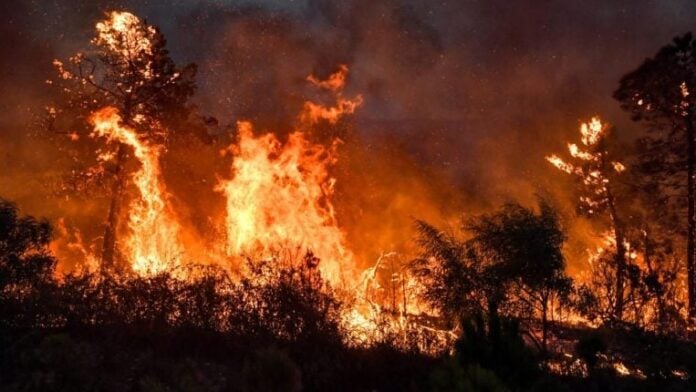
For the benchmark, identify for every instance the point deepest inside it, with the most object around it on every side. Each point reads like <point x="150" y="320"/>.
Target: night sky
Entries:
<point x="474" y="91"/>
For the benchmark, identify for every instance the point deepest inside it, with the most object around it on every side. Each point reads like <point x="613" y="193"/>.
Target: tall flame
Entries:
<point x="590" y="162"/>
<point x="279" y="198"/>
<point x="152" y="244"/>
<point x="312" y="112"/>
<point x="279" y="195"/>
<point x="126" y="36"/>
<point x="278" y="203"/>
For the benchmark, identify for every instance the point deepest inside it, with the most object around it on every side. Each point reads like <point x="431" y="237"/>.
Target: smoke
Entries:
<point x="461" y="100"/>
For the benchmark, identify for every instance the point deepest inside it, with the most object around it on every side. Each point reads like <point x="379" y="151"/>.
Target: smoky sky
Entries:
<point x="475" y="91"/>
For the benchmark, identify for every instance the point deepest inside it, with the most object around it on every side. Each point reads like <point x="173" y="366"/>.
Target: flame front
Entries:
<point x="279" y="199"/>
<point x="278" y="208"/>
<point x="152" y="244"/>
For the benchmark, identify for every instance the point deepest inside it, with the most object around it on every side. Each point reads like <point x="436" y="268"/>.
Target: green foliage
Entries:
<point x="653" y="92"/>
<point x="26" y="268"/>
<point x="513" y="260"/>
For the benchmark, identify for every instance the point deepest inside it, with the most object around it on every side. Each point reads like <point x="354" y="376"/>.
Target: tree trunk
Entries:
<point x="544" y="321"/>
<point x="659" y="294"/>
<point x="620" y="256"/>
<point x="691" y="222"/>
<point x="620" y="273"/>
<point x="109" y="244"/>
<point x="403" y="288"/>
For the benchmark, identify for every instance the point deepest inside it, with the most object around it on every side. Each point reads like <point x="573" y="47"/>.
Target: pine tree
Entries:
<point x="128" y="68"/>
<point x="658" y="94"/>
<point x="524" y="249"/>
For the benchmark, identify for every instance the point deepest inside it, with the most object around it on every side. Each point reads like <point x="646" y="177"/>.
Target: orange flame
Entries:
<point x="312" y="112"/>
<point x="591" y="133"/>
<point x="335" y="82"/>
<point x="152" y="245"/>
<point x="279" y="198"/>
<point x="122" y="35"/>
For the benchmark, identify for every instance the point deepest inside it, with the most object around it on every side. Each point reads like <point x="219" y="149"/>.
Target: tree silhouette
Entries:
<point x="514" y="254"/>
<point x="659" y="93"/>
<point x="129" y="69"/>
<point x="450" y="273"/>
<point x="525" y="249"/>
<point x="593" y="164"/>
<point x="25" y="265"/>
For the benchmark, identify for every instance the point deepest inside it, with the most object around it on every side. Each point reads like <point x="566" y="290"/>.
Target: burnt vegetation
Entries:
<point x="497" y="286"/>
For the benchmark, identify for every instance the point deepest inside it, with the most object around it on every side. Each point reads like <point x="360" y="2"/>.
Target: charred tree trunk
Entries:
<point x="620" y="273"/>
<point x="109" y="250"/>
<point x="691" y="222"/>
<point x="109" y="244"/>
<point x="620" y="260"/>
<point x="403" y="289"/>
<point x="544" y="321"/>
<point x="658" y="292"/>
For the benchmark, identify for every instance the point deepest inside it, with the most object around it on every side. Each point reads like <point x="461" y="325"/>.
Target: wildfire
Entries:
<point x="335" y="82"/>
<point x="152" y="244"/>
<point x="69" y="245"/>
<point x="593" y="167"/>
<point x="561" y="164"/>
<point x="279" y="198"/>
<point x="125" y="28"/>
<point x="591" y="134"/>
<point x="607" y="243"/>
<point x="313" y="112"/>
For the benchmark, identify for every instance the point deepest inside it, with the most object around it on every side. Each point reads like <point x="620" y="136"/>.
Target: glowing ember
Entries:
<point x="622" y="369"/>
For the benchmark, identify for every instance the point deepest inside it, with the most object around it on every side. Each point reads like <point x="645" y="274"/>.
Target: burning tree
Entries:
<point x="152" y="245"/>
<point x="131" y="70"/>
<point x="593" y="165"/>
<point x="659" y="94"/>
<point x="280" y="194"/>
<point x="454" y="279"/>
